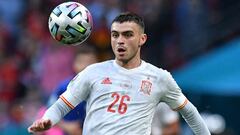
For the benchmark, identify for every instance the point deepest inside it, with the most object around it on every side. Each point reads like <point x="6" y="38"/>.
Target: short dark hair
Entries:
<point x="130" y="17"/>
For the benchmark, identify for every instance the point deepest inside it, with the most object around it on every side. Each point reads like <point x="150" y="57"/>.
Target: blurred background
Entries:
<point x="197" y="40"/>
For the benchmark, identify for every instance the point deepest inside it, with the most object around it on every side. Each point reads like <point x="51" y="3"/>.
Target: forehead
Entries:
<point x="125" y="26"/>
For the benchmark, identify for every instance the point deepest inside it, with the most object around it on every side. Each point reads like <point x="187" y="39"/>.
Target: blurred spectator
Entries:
<point x="55" y="65"/>
<point x="192" y="22"/>
<point x="11" y="12"/>
<point x="16" y="124"/>
<point x="215" y="122"/>
<point x="165" y="121"/>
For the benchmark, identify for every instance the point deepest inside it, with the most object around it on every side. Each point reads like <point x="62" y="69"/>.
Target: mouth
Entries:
<point x="121" y="51"/>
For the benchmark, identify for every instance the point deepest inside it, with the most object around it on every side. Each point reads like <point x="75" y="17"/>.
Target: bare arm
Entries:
<point x="194" y="120"/>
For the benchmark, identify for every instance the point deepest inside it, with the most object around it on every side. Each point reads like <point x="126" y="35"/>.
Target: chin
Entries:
<point x="120" y="59"/>
<point x="124" y="60"/>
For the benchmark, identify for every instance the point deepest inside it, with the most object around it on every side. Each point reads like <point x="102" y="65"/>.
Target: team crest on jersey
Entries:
<point x="146" y="87"/>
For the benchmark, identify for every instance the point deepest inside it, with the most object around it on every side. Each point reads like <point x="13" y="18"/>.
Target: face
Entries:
<point x="126" y="40"/>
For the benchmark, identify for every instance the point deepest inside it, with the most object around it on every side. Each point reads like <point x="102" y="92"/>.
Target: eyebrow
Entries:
<point x="124" y="32"/>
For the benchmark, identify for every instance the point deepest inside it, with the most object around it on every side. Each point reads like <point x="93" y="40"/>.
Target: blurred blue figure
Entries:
<point x="11" y="13"/>
<point x="72" y="123"/>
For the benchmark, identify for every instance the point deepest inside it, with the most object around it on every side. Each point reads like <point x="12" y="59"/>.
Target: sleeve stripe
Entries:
<point x="66" y="102"/>
<point x="182" y="105"/>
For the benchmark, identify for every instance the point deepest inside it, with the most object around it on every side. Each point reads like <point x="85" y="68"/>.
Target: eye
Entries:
<point x="128" y="34"/>
<point x="114" y="35"/>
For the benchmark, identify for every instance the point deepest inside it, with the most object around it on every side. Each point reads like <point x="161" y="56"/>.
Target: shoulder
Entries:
<point x="162" y="73"/>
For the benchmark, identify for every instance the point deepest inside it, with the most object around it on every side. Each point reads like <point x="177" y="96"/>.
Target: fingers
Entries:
<point x="39" y="125"/>
<point x="47" y="124"/>
<point x="30" y="130"/>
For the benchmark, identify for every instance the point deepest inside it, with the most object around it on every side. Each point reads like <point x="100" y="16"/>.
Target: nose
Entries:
<point x="120" y="40"/>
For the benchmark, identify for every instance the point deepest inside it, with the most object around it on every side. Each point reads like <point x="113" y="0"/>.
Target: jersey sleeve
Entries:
<point x="173" y="95"/>
<point x="58" y="91"/>
<point x="77" y="89"/>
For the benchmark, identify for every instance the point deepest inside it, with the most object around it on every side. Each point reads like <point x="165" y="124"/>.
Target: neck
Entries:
<point x="129" y="64"/>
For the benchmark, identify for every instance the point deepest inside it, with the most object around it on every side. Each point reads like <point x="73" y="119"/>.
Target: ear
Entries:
<point x="143" y="39"/>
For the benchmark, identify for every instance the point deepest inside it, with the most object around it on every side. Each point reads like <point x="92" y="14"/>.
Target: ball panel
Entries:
<point x="54" y="29"/>
<point x="57" y="11"/>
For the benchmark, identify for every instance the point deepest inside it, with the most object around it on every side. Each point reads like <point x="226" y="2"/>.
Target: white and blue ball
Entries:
<point x="70" y="23"/>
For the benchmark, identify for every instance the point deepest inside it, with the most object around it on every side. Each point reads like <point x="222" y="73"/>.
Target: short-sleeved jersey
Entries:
<point x="122" y="101"/>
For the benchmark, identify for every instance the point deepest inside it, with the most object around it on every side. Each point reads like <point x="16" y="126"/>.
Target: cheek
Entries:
<point x="113" y="44"/>
<point x="133" y="45"/>
<point x="113" y="41"/>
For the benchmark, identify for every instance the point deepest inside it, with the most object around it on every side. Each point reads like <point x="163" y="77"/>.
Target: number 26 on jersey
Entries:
<point x="122" y="107"/>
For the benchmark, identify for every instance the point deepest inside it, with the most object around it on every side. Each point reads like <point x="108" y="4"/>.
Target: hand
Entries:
<point x="39" y="126"/>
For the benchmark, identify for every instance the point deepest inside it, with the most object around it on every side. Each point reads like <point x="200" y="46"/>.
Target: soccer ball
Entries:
<point x="70" y="23"/>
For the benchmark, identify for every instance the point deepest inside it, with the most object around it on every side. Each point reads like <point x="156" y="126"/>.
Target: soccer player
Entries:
<point x="72" y="123"/>
<point x="122" y="94"/>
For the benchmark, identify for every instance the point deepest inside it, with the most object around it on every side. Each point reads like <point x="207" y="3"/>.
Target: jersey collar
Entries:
<point x="141" y="67"/>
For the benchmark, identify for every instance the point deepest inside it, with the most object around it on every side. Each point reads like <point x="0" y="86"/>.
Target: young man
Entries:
<point x="122" y="94"/>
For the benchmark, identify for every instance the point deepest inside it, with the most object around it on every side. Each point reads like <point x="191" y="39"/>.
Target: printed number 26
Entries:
<point x="122" y="108"/>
